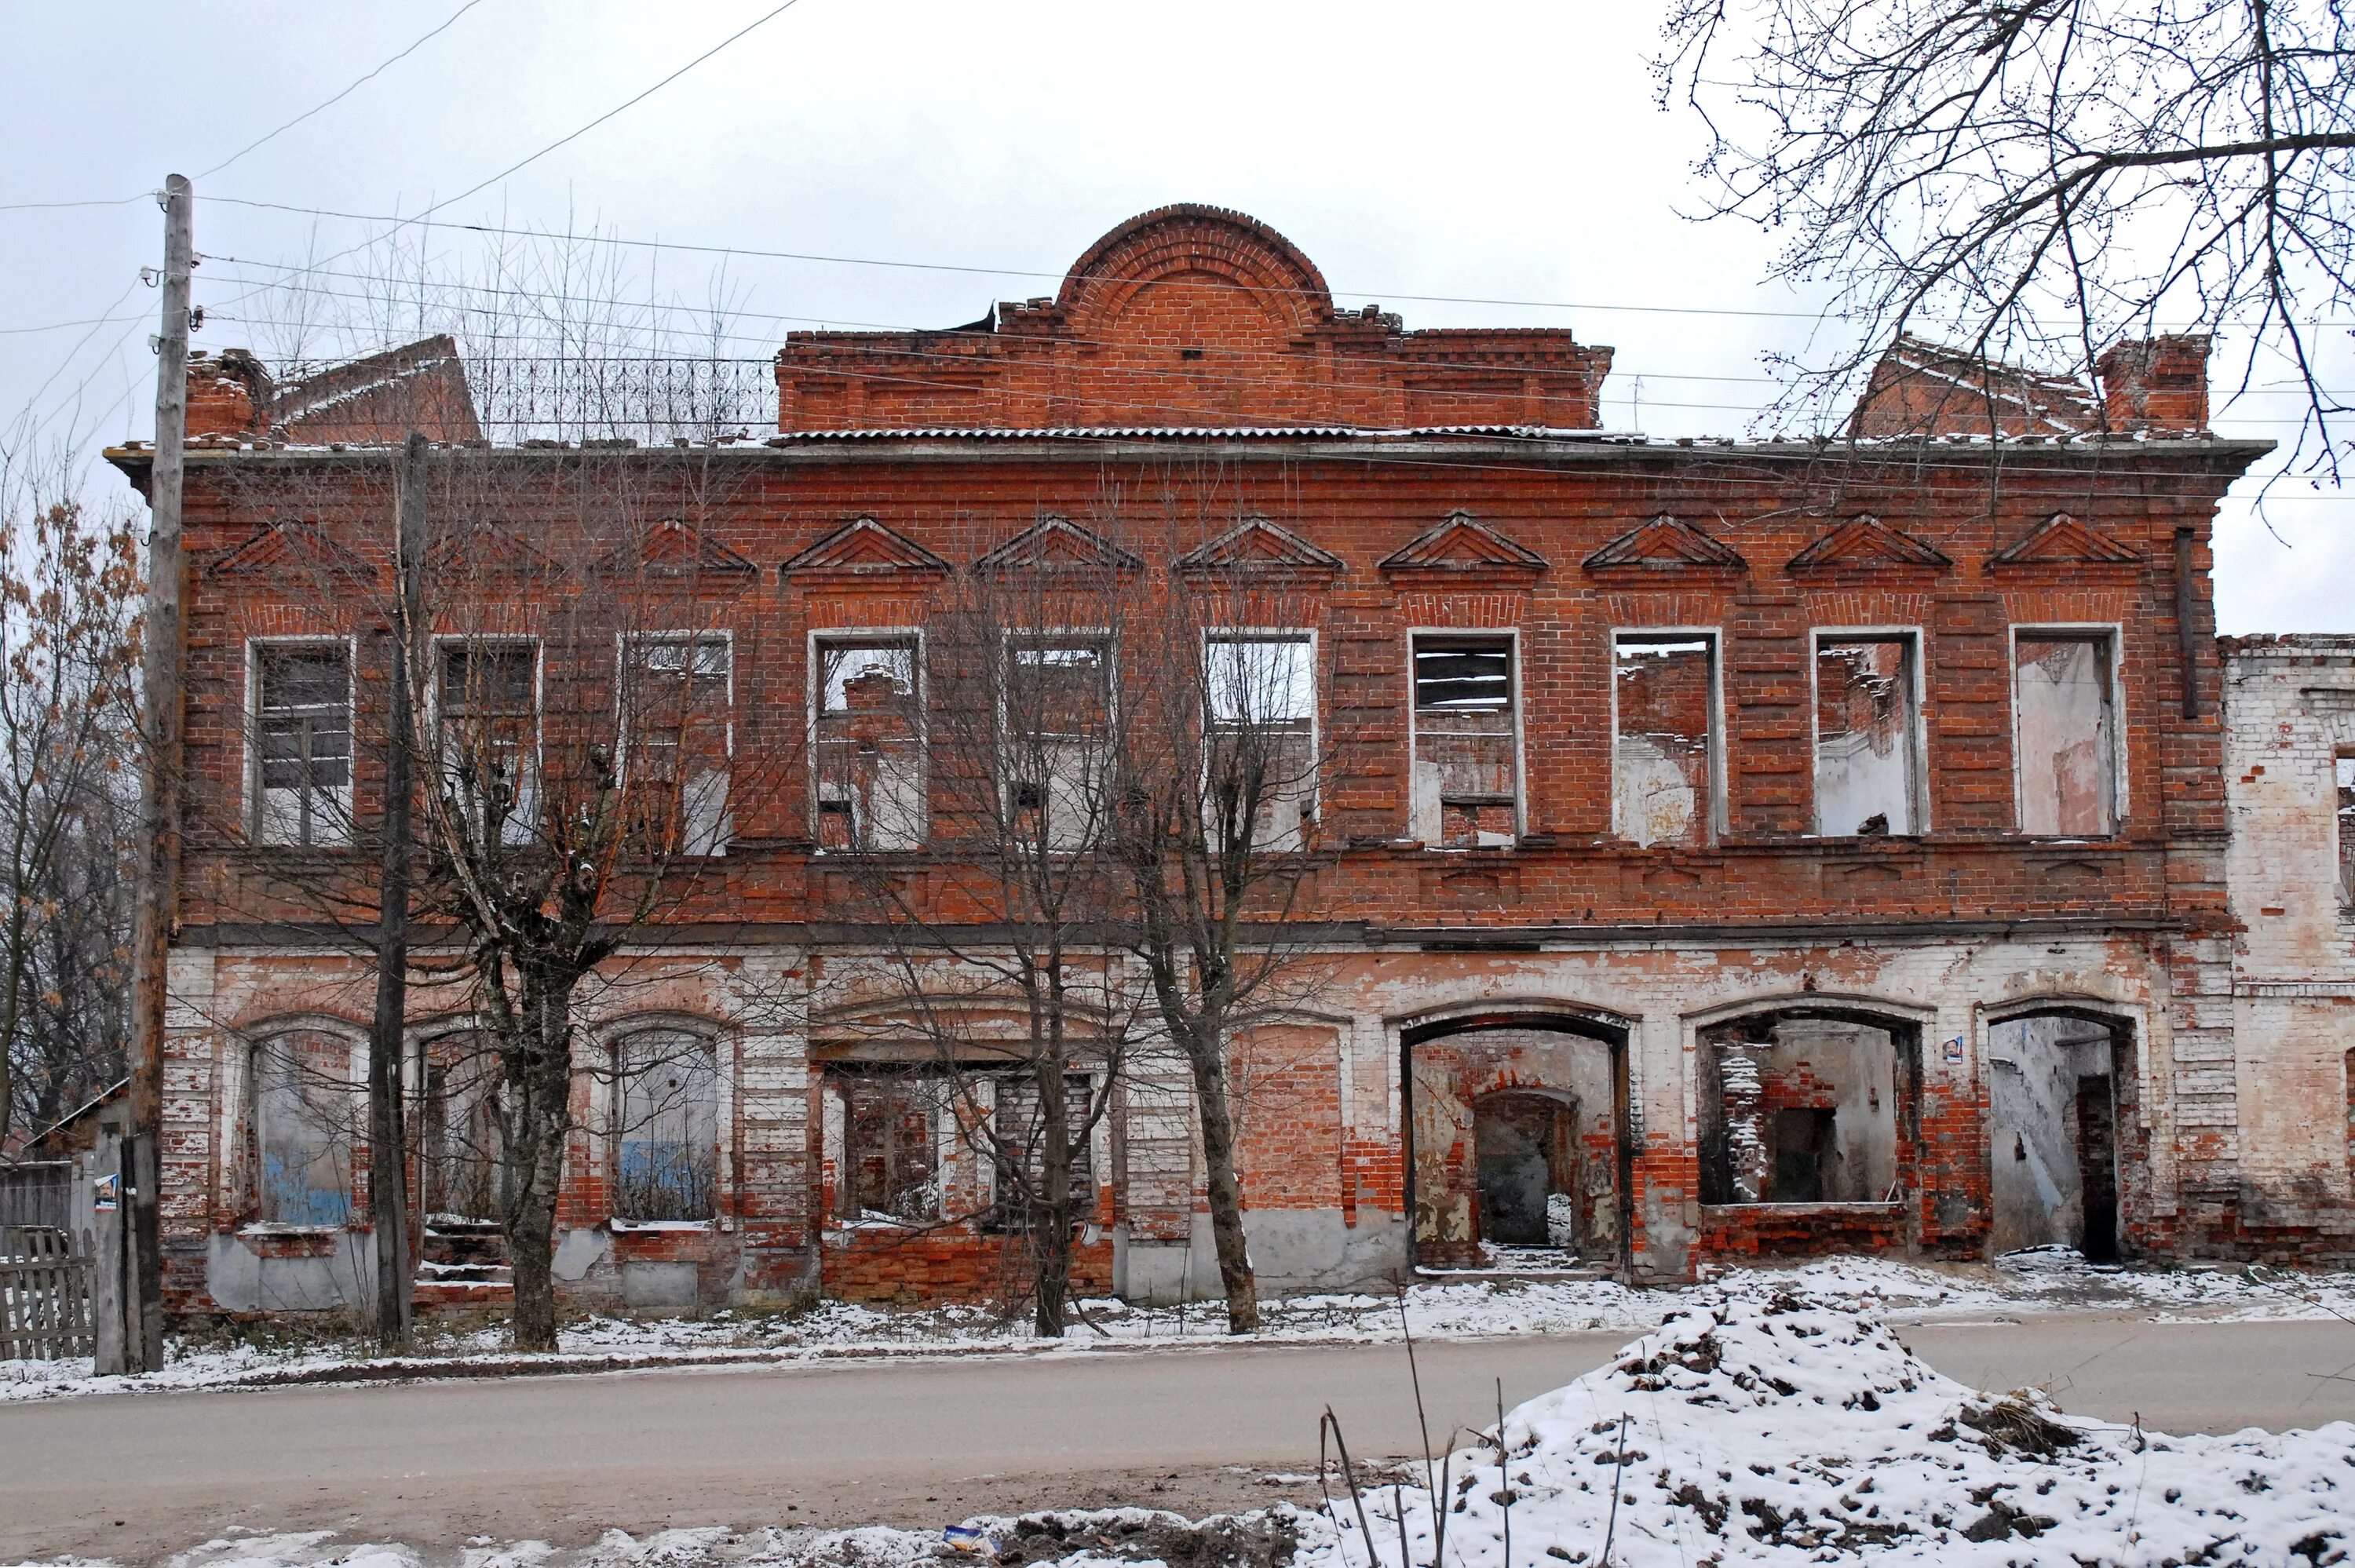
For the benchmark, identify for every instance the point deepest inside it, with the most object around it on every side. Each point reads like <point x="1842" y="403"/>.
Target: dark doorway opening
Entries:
<point x="1526" y="1158"/>
<point x="1804" y="1146"/>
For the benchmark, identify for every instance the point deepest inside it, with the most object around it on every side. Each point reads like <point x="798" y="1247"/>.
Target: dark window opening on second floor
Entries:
<point x="1466" y="789"/>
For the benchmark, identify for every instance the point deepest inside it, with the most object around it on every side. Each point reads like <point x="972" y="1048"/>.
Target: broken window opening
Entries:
<point x="302" y="746"/>
<point x="1664" y="758"/>
<point x="2343" y="777"/>
<point x="1799" y="1109"/>
<point x="1057" y="711"/>
<point x="1261" y="694"/>
<point x="678" y="739"/>
<point x="460" y="1148"/>
<point x="1868" y="776"/>
<point x="891" y="1170"/>
<point x="2064" y="709"/>
<point x="1465" y="790"/>
<point x="486" y="704"/>
<point x="667" y="1126"/>
<point x="870" y="746"/>
<point x="305" y="1129"/>
<point x="1016" y="1133"/>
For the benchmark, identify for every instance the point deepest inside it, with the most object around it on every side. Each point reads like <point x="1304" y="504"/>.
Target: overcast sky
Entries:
<point x="1503" y="152"/>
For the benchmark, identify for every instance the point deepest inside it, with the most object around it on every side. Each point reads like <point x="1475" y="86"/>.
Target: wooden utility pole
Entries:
<point x="159" y="869"/>
<point x="387" y="1145"/>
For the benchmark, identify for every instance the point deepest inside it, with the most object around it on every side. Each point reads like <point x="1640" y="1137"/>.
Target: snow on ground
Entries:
<point x="1764" y="1428"/>
<point x="1435" y="1306"/>
<point x="1752" y="1426"/>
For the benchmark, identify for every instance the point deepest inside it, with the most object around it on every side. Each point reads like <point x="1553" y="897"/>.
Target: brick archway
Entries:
<point x="1457" y="1072"/>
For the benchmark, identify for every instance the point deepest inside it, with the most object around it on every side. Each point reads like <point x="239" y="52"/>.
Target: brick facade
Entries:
<point x="1402" y="484"/>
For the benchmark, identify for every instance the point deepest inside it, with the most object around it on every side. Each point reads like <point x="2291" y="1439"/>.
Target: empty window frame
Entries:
<point x="678" y="737"/>
<point x="306" y="1125"/>
<point x="1018" y="1137"/>
<point x="2343" y="798"/>
<point x="2064" y="729"/>
<point x="666" y="1126"/>
<point x="1466" y="789"/>
<point x="1665" y="751"/>
<point x="1055" y="721"/>
<point x="1867" y="728"/>
<point x="1260" y="688"/>
<point x="302" y="745"/>
<point x="486" y="710"/>
<point x="890" y="1167"/>
<point x="868" y="736"/>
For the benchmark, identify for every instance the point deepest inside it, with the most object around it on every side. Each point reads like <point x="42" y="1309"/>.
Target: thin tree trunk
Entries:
<point x="539" y="1061"/>
<point x="1052" y="1234"/>
<point x="1216" y="1113"/>
<point x="387" y="1142"/>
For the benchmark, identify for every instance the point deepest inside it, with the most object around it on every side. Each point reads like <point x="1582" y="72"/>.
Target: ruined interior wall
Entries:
<point x="2290" y="704"/>
<point x="2037" y="1188"/>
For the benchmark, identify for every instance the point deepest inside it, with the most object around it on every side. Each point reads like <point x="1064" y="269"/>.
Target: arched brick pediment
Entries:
<point x="1219" y="272"/>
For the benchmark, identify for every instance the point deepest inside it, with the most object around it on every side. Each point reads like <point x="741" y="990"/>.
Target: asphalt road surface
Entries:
<point x="561" y="1458"/>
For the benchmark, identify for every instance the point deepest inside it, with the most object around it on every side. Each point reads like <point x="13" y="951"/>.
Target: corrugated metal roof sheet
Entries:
<point x="1191" y="433"/>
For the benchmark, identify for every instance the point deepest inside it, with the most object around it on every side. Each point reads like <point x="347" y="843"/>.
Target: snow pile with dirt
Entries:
<point x="1778" y="1429"/>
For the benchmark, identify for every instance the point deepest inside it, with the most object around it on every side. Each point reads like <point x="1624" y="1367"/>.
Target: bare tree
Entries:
<point x="2039" y="180"/>
<point x="969" y="808"/>
<point x="581" y="766"/>
<point x="69" y="594"/>
<point x="1218" y="833"/>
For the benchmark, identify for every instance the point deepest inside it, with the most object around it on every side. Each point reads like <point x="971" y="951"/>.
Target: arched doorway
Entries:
<point x="2061" y="1092"/>
<point x="1517" y="1141"/>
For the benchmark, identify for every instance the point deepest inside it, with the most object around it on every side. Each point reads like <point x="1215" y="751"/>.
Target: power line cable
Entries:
<point x="422" y="217"/>
<point x="354" y="87"/>
<point x="250" y="147"/>
<point x="752" y="253"/>
<point x="1187" y="377"/>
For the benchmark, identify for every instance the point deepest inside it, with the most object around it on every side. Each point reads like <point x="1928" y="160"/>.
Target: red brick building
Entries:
<point x="1733" y="847"/>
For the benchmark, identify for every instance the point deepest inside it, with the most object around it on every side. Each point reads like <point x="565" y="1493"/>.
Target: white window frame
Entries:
<point x="446" y="639"/>
<point x="1919" y="739"/>
<point x="812" y="709"/>
<point x="252" y="770"/>
<point x="1511" y="636"/>
<point x="624" y="641"/>
<point x="1720" y="808"/>
<point x="2115" y="632"/>
<point x="1304" y="635"/>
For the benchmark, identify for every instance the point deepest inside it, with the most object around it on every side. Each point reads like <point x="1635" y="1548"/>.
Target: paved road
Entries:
<point x="917" y="1442"/>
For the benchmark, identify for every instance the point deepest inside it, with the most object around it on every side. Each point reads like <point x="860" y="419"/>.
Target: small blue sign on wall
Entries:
<point x="1954" y="1049"/>
<point x="108" y="1194"/>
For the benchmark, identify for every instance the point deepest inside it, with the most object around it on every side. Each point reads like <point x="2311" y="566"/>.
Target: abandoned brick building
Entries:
<point x="1735" y="848"/>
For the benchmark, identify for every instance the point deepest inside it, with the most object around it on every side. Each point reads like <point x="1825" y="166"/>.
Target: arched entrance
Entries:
<point x="2061" y="1092"/>
<point x="1517" y="1141"/>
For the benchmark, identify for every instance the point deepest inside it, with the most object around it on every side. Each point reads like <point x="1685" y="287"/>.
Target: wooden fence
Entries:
<point x="45" y="1306"/>
<point x="36" y="1192"/>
